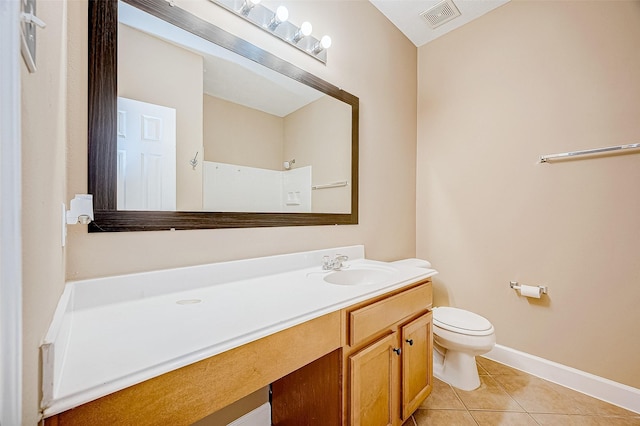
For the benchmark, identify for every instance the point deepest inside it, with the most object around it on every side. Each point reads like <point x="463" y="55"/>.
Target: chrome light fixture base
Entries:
<point x="262" y="17"/>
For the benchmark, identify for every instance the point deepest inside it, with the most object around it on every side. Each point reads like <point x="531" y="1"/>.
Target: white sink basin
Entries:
<point x="360" y="275"/>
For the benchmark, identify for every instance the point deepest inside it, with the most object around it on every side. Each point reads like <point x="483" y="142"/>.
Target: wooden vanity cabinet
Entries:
<point x="372" y="381"/>
<point x="388" y="357"/>
<point x="384" y="366"/>
<point x="188" y="394"/>
<point x="369" y="364"/>
<point x="417" y="363"/>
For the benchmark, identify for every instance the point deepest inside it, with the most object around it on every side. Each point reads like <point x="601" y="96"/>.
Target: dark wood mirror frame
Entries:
<point x="102" y="135"/>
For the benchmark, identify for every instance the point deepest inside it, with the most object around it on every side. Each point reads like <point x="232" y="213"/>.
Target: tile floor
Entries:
<point x="511" y="397"/>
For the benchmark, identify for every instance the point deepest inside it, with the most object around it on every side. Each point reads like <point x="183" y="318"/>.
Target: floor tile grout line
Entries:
<point x="570" y="396"/>
<point x="507" y="392"/>
<point x="489" y="409"/>
<point x="531" y="415"/>
<point x="458" y="396"/>
<point x="534" y="419"/>
<point x="495" y="410"/>
<point x="512" y="397"/>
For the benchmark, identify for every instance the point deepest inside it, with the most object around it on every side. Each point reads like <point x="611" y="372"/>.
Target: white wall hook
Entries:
<point x="81" y="210"/>
<point x="28" y="27"/>
<point x="30" y="18"/>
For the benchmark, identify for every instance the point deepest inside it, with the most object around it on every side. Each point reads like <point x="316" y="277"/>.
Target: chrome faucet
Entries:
<point x="334" y="264"/>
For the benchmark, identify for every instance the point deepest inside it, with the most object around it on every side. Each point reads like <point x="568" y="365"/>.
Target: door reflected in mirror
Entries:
<point x="265" y="142"/>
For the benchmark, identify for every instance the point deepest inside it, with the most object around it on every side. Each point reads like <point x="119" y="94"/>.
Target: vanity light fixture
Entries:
<point x="304" y="31"/>
<point x="247" y="6"/>
<point x="281" y="15"/>
<point x="277" y="24"/>
<point x="324" y="43"/>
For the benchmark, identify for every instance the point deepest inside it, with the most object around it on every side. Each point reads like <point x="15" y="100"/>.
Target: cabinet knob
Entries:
<point x="397" y="350"/>
<point x="409" y="341"/>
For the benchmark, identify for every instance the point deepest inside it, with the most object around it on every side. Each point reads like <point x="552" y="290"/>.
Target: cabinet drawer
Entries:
<point x="372" y="319"/>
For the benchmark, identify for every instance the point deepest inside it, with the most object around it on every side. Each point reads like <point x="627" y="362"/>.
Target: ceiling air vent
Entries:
<point x="441" y="13"/>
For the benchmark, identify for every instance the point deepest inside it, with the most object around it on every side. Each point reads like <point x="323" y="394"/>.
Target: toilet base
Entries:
<point x="457" y="369"/>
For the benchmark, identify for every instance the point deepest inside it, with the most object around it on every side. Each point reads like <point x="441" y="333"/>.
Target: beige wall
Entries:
<point x="528" y="79"/>
<point x="385" y="83"/>
<point x="320" y="135"/>
<point x="55" y="153"/>
<point x="45" y="126"/>
<point x="237" y="134"/>
<point x="170" y="77"/>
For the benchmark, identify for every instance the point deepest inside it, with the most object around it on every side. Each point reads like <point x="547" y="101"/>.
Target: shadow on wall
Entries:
<point x="544" y="300"/>
<point x="441" y="296"/>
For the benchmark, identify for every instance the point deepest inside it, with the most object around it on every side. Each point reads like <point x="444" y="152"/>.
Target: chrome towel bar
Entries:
<point x="330" y="185"/>
<point x="566" y="155"/>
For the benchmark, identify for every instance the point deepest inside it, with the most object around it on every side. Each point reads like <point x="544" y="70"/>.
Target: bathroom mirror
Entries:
<point x="308" y="153"/>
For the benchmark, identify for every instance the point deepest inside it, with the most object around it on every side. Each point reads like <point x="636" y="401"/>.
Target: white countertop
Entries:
<point x="112" y="333"/>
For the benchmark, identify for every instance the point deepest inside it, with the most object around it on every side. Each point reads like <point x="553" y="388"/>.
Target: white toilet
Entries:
<point x="458" y="336"/>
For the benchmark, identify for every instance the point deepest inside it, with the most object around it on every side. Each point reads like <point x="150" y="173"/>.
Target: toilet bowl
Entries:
<point x="458" y="336"/>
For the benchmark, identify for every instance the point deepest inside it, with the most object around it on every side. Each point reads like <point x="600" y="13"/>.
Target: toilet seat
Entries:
<point x="461" y="321"/>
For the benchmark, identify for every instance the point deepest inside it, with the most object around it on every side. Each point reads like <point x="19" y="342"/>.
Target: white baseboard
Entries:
<point x="598" y="387"/>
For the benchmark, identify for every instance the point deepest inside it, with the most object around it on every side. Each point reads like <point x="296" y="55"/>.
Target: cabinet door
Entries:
<point x="417" y="363"/>
<point x="373" y="378"/>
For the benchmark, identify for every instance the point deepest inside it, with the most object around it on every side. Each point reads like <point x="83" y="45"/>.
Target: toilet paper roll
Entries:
<point x="530" y="291"/>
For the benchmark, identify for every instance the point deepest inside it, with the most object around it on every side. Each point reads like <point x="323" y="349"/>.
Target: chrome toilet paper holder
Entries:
<point x="514" y="285"/>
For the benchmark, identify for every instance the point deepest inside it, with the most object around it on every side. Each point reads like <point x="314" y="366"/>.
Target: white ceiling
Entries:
<point x="405" y="14"/>
<point x="227" y="75"/>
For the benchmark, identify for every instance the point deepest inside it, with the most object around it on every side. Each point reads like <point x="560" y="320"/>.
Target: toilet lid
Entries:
<point x="461" y="321"/>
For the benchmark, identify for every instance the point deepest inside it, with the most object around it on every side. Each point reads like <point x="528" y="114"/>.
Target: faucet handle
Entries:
<point x="337" y="261"/>
<point x="326" y="263"/>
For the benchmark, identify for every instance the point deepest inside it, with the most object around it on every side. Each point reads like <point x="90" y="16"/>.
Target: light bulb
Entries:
<point x="306" y="28"/>
<point x="325" y="42"/>
<point x="282" y="14"/>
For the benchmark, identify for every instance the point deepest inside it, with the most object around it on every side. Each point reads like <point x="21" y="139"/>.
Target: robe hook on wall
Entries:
<point x="194" y="161"/>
